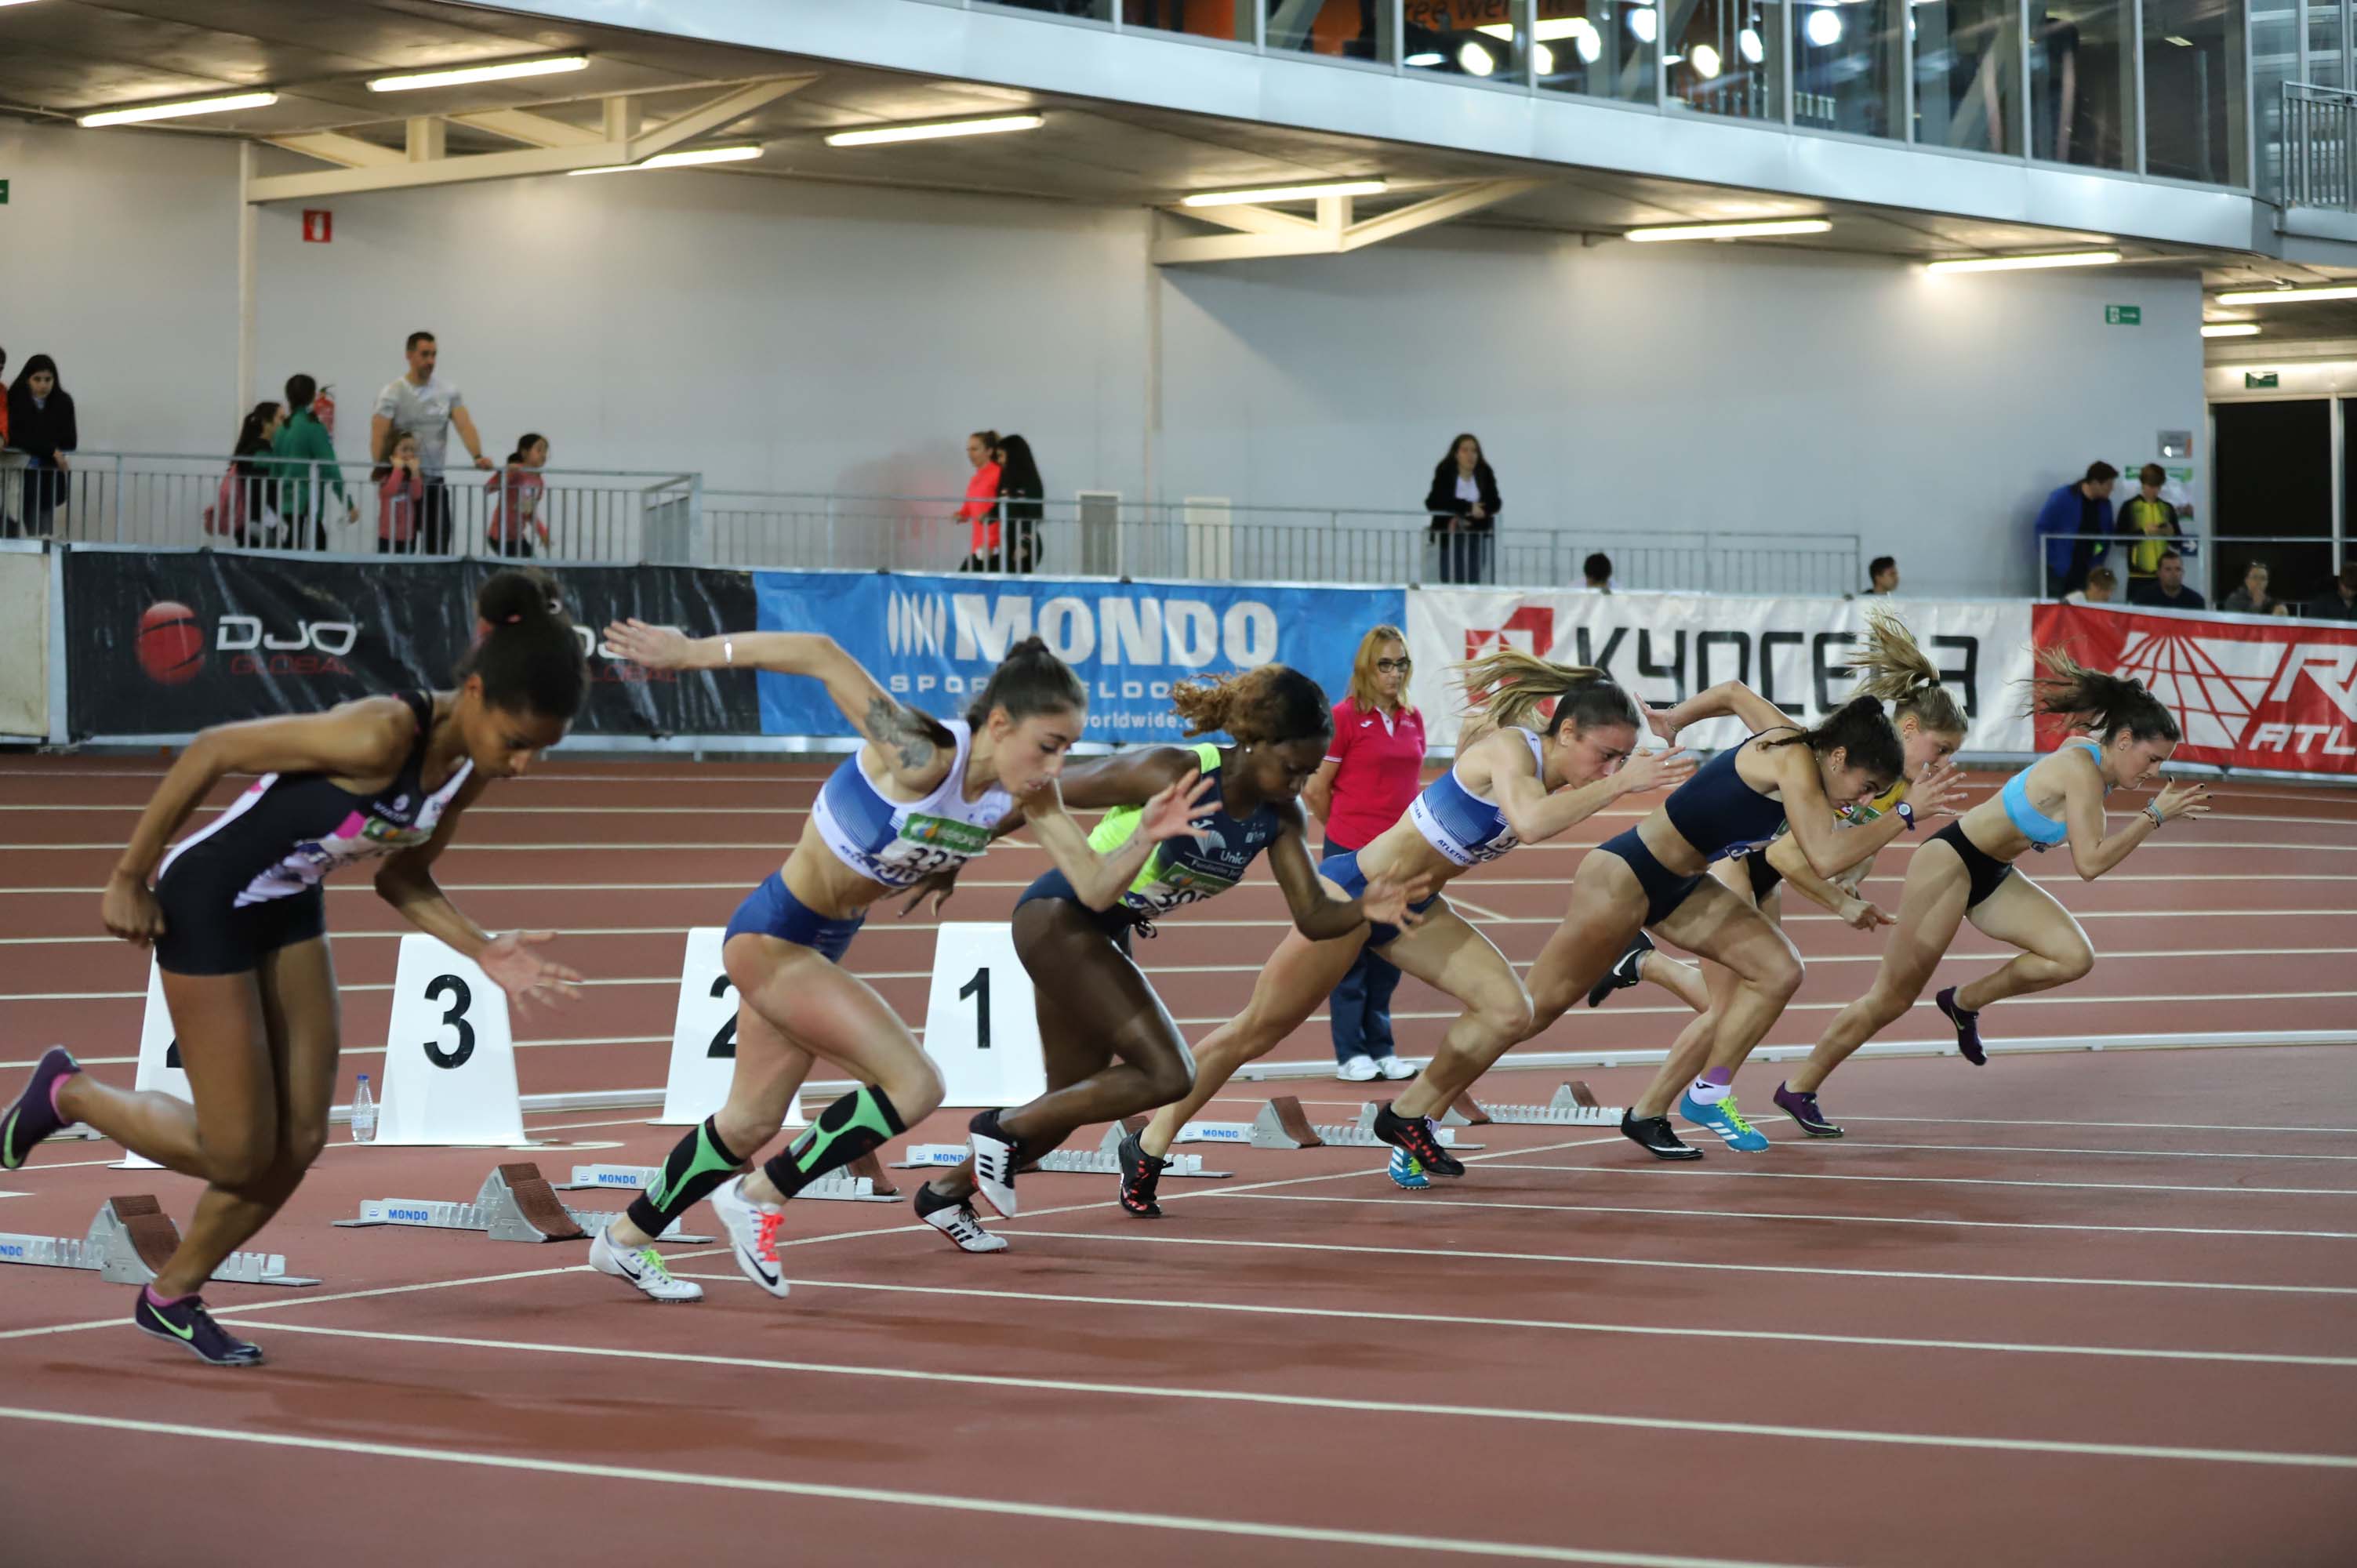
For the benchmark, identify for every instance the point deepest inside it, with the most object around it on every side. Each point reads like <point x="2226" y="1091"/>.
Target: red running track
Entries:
<point x="2070" y="1308"/>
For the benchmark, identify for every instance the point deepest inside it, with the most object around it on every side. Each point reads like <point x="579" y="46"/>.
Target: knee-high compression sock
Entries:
<point x="698" y="1163"/>
<point x="858" y="1123"/>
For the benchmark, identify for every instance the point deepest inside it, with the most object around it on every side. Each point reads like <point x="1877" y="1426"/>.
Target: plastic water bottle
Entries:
<point x="363" y="1113"/>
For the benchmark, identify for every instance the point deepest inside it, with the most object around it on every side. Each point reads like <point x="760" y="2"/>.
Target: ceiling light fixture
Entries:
<point x="2025" y="263"/>
<point x="2285" y="296"/>
<point x="679" y="160"/>
<point x="1474" y="60"/>
<point x="1706" y="62"/>
<point x="2230" y="329"/>
<point x="1286" y="193"/>
<point x="466" y="75"/>
<point x="1760" y="229"/>
<point x="178" y="110"/>
<point x="990" y="127"/>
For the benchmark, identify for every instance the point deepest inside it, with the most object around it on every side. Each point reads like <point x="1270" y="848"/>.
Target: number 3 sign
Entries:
<point x="449" y="1068"/>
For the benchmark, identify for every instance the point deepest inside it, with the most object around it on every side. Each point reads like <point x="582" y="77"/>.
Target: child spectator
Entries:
<point x="516" y="493"/>
<point x="2101" y="584"/>
<point x="245" y="506"/>
<point x="400" y="497"/>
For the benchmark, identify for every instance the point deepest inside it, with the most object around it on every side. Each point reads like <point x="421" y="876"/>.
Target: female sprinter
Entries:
<point x="1656" y="874"/>
<point x="1966" y="872"/>
<point x="239" y="925"/>
<point x="1111" y="1046"/>
<point x="1512" y="786"/>
<point x="1931" y="728"/>
<point x="921" y="797"/>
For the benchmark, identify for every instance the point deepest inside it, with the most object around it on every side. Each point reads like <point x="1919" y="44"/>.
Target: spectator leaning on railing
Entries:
<point x="427" y="407"/>
<point x="2149" y="523"/>
<point x="980" y="511"/>
<point x="517" y="491"/>
<point x="2252" y="598"/>
<point x="400" y="496"/>
<point x="2081" y="507"/>
<point x="306" y="455"/>
<point x="2338" y="602"/>
<point x="1464" y="504"/>
<point x="41" y="425"/>
<point x="2167" y="591"/>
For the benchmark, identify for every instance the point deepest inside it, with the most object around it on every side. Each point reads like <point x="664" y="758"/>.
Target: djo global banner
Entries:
<point x="933" y="640"/>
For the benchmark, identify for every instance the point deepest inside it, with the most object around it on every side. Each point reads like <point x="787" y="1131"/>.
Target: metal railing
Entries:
<point x="176" y="498"/>
<point x="1103" y="535"/>
<point x="2317" y="165"/>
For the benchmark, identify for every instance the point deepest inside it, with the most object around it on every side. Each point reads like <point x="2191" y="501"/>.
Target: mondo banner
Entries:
<point x="934" y="640"/>
<point x="1666" y="647"/>
<point x="168" y="642"/>
<point x="2247" y="692"/>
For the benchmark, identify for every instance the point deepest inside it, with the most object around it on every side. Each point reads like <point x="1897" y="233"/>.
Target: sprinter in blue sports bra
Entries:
<point x="1522" y="778"/>
<point x="1967" y="871"/>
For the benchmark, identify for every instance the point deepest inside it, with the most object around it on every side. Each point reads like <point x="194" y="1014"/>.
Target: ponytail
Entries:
<point x="2065" y="689"/>
<point x="1271" y="704"/>
<point x="1506" y="687"/>
<point x="1028" y="682"/>
<point x="526" y="649"/>
<point x="1894" y="668"/>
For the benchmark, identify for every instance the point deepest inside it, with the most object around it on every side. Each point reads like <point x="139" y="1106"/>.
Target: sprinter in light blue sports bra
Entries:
<point x="1967" y="870"/>
<point x="1523" y="778"/>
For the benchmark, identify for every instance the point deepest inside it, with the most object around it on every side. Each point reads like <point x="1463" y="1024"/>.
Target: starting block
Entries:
<point x="516" y="1203"/>
<point x="862" y="1181"/>
<point x="1105" y="1160"/>
<point x="1283" y="1124"/>
<point x="1573" y="1105"/>
<point x="129" y="1242"/>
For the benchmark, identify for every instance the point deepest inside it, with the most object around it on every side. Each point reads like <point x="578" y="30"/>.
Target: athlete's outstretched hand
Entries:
<point x="1940" y="792"/>
<point x="1178" y="811"/>
<point x="1864" y="914"/>
<point x="1385" y="902"/>
<point x="2183" y="799"/>
<point x="526" y="977"/>
<point x="655" y="647"/>
<point x="1655" y="770"/>
<point x="130" y="910"/>
<point x="938" y="887"/>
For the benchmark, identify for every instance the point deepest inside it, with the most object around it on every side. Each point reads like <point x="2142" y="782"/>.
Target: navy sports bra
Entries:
<point x="1721" y="815"/>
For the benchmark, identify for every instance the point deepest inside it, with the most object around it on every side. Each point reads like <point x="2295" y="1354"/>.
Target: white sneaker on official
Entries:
<point x="643" y="1267"/>
<point x="957" y="1220"/>
<point x="1358" y="1069"/>
<point x="752" y="1236"/>
<point x="1394" y="1069"/>
<point x="995" y="1157"/>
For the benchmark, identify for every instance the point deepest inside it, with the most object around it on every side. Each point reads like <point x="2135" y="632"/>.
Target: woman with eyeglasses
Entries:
<point x="1372" y="770"/>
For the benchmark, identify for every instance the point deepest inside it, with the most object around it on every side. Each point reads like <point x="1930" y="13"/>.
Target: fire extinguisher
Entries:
<point x="323" y="409"/>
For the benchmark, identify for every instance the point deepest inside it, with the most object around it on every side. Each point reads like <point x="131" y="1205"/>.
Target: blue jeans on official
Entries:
<point x="1361" y="1004"/>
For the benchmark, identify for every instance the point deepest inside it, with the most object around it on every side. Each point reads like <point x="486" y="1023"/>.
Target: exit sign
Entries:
<point x="2258" y="380"/>
<point x="2124" y="315"/>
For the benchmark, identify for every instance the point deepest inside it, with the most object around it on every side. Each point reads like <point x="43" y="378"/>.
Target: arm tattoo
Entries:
<point x="911" y="741"/>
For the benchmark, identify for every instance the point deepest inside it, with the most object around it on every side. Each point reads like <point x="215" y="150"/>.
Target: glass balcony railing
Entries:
<point x="2178" y="90"/>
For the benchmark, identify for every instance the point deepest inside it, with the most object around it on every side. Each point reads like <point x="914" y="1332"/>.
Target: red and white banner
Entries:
<point x="2247" y="692"/>
<point x="1666" y="647"/>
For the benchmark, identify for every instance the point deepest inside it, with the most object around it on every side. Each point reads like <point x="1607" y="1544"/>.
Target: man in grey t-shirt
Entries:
<point x="426" y="406"/>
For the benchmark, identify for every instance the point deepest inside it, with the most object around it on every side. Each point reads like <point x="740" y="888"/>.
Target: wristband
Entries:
<point x="2154" y="813"/>
<point x="1907" y="815"/>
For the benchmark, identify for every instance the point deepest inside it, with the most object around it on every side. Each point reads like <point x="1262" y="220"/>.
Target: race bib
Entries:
<point x="926" y="844"/>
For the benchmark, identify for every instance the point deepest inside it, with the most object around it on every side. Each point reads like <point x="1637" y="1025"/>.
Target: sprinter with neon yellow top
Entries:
<point x="1111" y="1048"/>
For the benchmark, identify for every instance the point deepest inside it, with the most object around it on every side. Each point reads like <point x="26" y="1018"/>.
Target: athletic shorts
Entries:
<point x="1343" y="870"/>
<point x="1119" y="923"/>
<point x="207" y="932"/>
<point x="1981" y="869"/>
<point x="1665" y="889"/>
<point x="772" y="911"/>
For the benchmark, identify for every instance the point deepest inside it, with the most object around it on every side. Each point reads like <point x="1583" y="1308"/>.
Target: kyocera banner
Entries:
<point x="1666" y="647"/>
<point x="2247" y="692"/>
<point x="934" y="640"/>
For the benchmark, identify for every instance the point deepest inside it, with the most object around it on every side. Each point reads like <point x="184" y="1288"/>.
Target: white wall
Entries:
<point x="775" y="335"/>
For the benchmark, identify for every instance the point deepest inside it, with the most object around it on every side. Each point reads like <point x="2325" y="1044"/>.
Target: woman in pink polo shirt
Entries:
<point x="981" y="507"/>
<point x="1372" y="772"/>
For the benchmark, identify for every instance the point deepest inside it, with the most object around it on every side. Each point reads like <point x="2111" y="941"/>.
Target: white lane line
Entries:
<point x="1653" y="1171"/>
<point x="1356" y="1406"/>
<point x="119" y="1319"/>
<point x="1421" y="1319"/>
<point x="940" y="1501"/>
<point x="2134" y="1154"/>
<point x="1425" y="1200"/>
<point x="2141" y="1126"/>
<point x="1431" y="1255"/>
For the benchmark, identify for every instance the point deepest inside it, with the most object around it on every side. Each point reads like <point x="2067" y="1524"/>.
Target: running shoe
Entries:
<point x="1623" y="972"/>
<point x="1803" y="1108"/>
<point x="1141" y="1173"/>
<point x="1358" y="1069"/>
<point x="1656" y="1137"/>
<point x="1725" y="1120"/>
<point x="752" y="1236"/>
<point x="1419" y="1138"/>
<point x="643" y="1266"/>
<point x="1968" y="1028"/>
<point x="998" y="1154"/>
<point x="185" y="1323"/>
<point x="1394" y="1069"/>
<point x="1405" y="1172"/>
<point x="955" y="1219"/>
<point x="35" y="1115"/>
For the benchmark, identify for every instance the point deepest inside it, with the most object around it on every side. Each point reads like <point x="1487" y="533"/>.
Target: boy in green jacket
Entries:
<point x="301" y="449"/>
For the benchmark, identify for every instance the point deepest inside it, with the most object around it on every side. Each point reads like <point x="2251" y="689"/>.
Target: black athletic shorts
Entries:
<point x="1118" y="923"/>
<point x="205" y="932"/>
<point x="1984" y="870"/>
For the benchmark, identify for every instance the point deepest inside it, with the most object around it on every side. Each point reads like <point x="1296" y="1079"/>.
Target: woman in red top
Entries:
<point x="1371" y="771"/>
<point x="981" y="507"/>
<point x="400" y="495"/>
<point x="516" y="493"/>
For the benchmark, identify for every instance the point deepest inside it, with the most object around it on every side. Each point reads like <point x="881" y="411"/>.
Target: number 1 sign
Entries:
<point x="450" y="1061"/>
<point x="980" y="1027"/>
